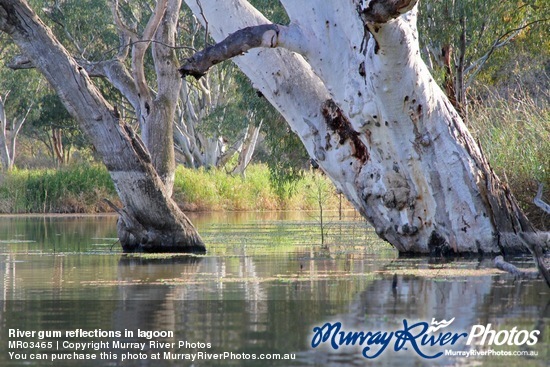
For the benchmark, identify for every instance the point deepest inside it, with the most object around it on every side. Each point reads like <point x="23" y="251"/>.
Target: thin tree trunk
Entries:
<point x="58" y="146"/>
<point x="5" y="158"/>
<point x="248" y="148"/>
<point x="150" y="220"/>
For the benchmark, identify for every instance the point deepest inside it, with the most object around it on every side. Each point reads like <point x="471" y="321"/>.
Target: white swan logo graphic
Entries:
<point x="439" y="325"/>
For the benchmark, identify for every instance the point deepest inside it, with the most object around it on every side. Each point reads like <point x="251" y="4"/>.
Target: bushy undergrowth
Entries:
<point x="81" y="189"/>
<point x="216" y="190"/>
<point x="74" y="189"/>
<point x="515" y="136"/>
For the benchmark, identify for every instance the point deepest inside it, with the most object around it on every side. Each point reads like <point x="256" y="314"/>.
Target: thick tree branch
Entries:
<point x="113" y="70"/>
<point x="116" y="72"/>
<point x="236" y="44"/>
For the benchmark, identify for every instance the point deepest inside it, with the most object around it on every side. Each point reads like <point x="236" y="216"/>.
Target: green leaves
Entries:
<point x="475" y="29"/>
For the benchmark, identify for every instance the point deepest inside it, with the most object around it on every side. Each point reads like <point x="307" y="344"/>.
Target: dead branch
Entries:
<point x="512" y="269"/>
<point x="539" y="202"/>
<point x="236" y="44"/>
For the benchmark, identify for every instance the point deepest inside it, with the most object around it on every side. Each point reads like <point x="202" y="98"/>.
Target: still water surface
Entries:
<point x="264" y="284"/>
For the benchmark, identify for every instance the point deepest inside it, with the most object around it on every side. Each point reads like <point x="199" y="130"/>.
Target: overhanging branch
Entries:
<point x="238" y="43"/>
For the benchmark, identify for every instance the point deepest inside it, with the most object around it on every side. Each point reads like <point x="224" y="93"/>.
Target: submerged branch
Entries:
<point x="273" y="35"/>
<point x="537" y="243"/>
<point x="512" y="269"/>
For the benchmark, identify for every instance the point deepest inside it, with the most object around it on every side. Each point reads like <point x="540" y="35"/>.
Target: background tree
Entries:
<point x="150" y="219"/>
<point x="17" y="104"/>
<point x="459" y="38"/>
<point x="55" y="128"/>
<point x="211" y="124"/>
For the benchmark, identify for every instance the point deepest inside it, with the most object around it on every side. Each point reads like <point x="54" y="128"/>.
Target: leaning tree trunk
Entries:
<point x="150" y="220"/>
<point x="348" y="78"/>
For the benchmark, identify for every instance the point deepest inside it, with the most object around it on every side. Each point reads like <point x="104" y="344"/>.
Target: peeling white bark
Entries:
<point x="369" y="112"/>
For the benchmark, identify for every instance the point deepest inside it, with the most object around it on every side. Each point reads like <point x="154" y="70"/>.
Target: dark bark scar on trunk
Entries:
<point x="438" y="245"/>
<point x="339" y="123"/>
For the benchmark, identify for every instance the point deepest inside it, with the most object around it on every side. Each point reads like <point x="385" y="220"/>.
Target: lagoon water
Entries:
<point x="264" y="285"/>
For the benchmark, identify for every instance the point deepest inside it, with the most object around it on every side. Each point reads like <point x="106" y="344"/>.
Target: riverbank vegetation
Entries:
<point x="81" y="188"/>
<point x="514" y="133"/>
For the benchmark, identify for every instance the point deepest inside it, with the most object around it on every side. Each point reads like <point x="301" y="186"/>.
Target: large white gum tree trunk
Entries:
<point x="348" y="78"/>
